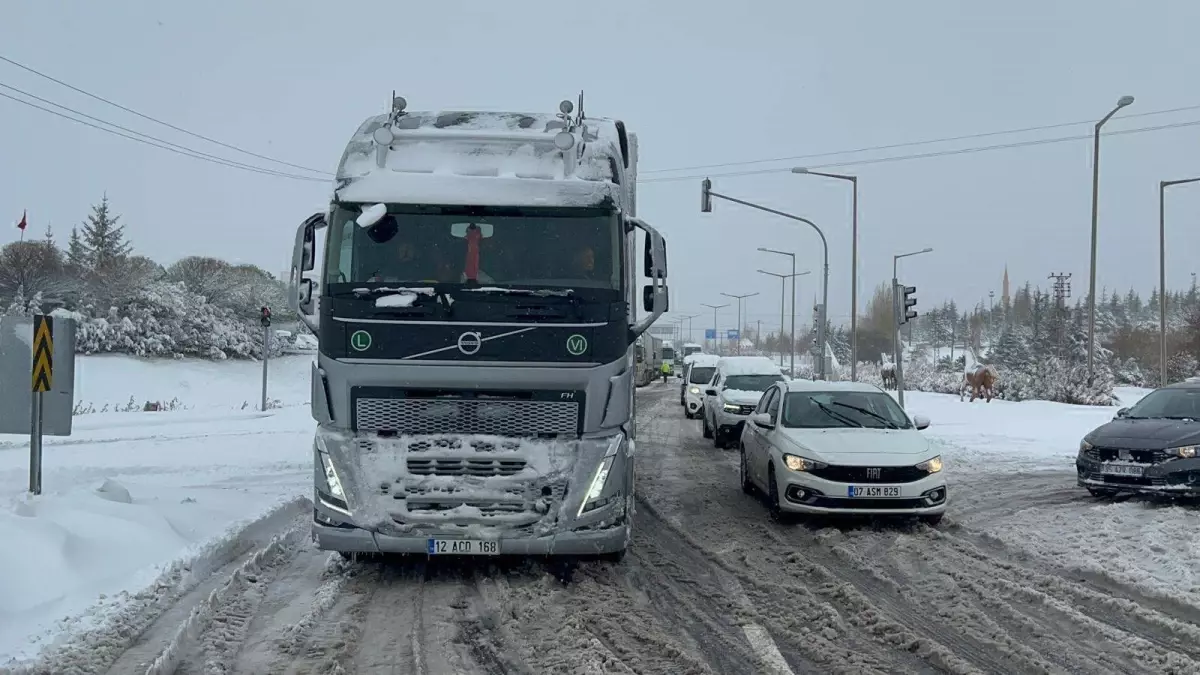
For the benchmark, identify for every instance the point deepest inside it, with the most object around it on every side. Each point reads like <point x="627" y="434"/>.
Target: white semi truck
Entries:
<point x="478" y="309"/>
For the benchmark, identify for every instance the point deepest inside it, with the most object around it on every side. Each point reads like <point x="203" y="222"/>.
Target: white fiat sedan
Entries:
<point x="840" y="447"/>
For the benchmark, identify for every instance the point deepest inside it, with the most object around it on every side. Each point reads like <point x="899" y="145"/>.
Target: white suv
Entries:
<point x="733" y="394"/>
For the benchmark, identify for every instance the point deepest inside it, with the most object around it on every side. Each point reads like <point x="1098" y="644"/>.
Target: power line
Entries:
<point x="156" y="120"/>
<point x="186" y="153"/>
<point x="910" y="144"/>
<point x="192" y="152"/>
<point x="926" y="155"/>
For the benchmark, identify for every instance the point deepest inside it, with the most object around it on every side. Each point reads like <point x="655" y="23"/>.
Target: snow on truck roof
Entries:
<point x="748" y="365"/>
<point x="482" y="158"/>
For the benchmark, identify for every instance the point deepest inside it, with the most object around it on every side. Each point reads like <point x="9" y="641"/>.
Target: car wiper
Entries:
<point x="838" y="416"/>
<point x="890" y="424"/>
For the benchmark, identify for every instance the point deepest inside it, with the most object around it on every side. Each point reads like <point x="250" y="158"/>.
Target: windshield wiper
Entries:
<point x="838" y="416"/>
<point x="890" y="424"/>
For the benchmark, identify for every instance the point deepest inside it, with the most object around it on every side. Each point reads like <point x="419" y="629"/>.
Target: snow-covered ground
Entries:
<point x="130" y="493"/>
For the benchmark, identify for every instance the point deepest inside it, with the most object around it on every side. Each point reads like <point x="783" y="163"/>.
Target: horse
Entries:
<point x="981" y="381"/>
<point x="888" y="372"/>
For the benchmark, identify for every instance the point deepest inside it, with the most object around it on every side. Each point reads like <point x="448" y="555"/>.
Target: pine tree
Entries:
<point x="104" y="240"/>
<point x="77" y="255"/>
<point x="49" y="235"/>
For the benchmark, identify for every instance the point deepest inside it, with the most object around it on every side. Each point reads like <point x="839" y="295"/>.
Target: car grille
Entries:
<point x="512" y="414"/>
<point x="745" y="409"/>
<point x="863" y="474"/>
<point x="1125" y="480"/>
<point x="1099" y="454"/>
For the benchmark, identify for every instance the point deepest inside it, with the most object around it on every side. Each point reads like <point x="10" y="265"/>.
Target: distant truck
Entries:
<point x="669" y="356"/>
<point x="648" y="358"/>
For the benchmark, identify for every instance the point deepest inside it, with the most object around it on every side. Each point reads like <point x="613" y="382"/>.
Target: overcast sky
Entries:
<point x="702" y="83"/>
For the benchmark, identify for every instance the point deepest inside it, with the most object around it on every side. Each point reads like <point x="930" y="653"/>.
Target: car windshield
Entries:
<point x="701" y="375"/>
<point x="528" y="247"/>
<point x="751" y="382"/>
<point x="1168" y="404"/>
<point x="834" y="409"/>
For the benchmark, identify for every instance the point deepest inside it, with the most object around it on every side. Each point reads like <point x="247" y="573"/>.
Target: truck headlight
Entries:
<point x="1185" y="452"/>
<point x="331" y="476"/>
<point x="592" y="500"/>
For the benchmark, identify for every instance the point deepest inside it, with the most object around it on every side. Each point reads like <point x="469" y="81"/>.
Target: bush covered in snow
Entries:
<point x="123" y="303"/>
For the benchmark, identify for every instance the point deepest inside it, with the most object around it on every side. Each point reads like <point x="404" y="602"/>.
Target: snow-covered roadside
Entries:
<point x="1024" y="453"/>
<point x="143" y="500"/>
<point x="985" y="437"/>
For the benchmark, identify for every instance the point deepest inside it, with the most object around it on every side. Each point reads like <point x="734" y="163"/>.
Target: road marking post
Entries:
<point x="43" y="380"/>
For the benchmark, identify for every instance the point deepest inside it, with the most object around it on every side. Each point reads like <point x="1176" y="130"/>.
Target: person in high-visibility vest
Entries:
<point x="666" y="370"/>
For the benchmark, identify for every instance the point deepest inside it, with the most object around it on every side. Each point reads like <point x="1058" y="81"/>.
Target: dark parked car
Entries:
<point x="1150" y="448"/>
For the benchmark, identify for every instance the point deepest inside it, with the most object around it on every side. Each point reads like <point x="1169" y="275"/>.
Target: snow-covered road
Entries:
<point x="1026" y="575"/>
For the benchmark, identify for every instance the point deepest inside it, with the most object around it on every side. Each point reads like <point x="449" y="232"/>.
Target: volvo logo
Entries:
<point x="469" y="343"/>
<point x="873" y="473"/>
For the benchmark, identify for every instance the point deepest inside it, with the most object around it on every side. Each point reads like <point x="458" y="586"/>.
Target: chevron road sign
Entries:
<point x="43" y="353"/>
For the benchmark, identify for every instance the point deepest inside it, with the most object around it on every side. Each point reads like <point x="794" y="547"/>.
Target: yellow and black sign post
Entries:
<point x="43" y="380"/>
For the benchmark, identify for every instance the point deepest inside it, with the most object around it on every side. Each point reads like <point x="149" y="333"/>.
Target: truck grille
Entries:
<point x="464" y="467"/>
<point x="469" y="413"/>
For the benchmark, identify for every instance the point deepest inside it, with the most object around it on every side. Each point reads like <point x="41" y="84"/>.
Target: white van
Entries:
<point x="697" y="373"/>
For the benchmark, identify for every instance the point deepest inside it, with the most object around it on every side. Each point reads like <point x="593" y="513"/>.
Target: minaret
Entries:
<point x="1004" y="297"/>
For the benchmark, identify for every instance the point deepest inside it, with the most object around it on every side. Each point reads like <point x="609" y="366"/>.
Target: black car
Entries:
<point x="1149" y="448"/>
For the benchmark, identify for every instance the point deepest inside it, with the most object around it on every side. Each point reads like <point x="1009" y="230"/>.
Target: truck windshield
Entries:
<point x="553" y="248"/>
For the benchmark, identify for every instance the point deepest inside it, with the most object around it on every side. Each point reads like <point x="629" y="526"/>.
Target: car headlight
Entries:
<point x="729" y="407"/>
<point x="1185" y="452"/>
<point x="796" y="463"/>
<point x="931" y="465"/>
<point x="1084" y="446"/>
<point x="695" y="390"/>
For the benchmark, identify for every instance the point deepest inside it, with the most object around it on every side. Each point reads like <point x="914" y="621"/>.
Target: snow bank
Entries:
<point x="130" y="496"/>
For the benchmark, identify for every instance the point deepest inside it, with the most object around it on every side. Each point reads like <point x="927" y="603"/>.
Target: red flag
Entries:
<point x="21" y="225"/>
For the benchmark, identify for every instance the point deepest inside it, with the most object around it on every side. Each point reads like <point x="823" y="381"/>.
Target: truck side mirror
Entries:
<point x="304" y="259"/>
<point x="648" y="296"/>
<point x="654" y="258"/>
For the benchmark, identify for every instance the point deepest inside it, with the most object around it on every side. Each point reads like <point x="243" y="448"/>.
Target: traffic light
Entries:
<point x="265" y="319"/>
<point x="706" y="196"/>
<point x="909" y="302"/>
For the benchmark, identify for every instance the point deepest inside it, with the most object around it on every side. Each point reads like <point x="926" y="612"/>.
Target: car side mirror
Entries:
<point x="762" y="420"/>
<point x="1123" y="412"/>
<point x="710" y="392"/>
<point x="921" y="422"/>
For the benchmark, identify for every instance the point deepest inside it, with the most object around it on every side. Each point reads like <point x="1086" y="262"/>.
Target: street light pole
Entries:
<point x="688" y="318"/>
<point x="739" y="315"/>
<point x="896" y="312"/>
<point x="853" y="262"/>
<point x="716" y="337"/>
<point x="1091" y="352"/>
<point x="782" y="296"/>
<point x="1162" y="274"/>
<point x="706" y="207"/>
<point x="792" y="337"/>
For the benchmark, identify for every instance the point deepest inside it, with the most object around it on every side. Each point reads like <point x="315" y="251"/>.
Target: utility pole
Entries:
<point x="1062" y="291"/>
